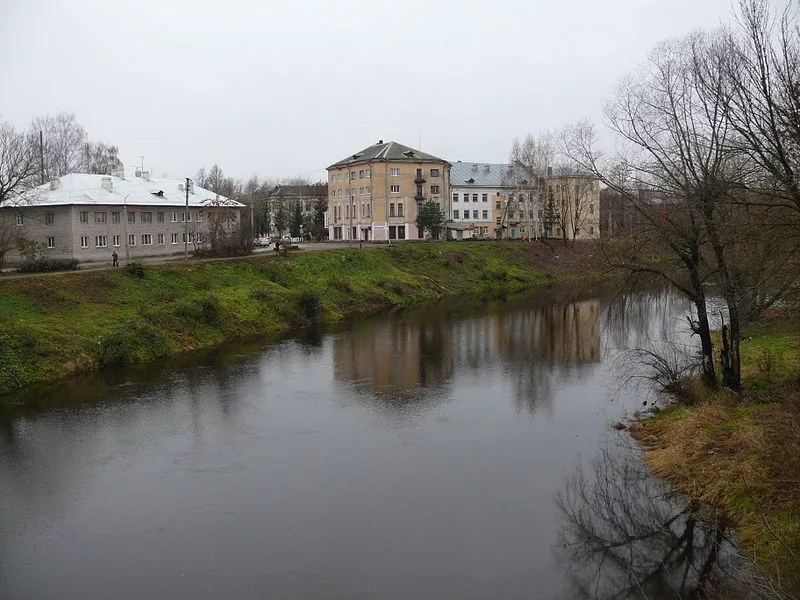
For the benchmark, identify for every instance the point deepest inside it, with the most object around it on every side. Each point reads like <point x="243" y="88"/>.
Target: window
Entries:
<point x="199" y="238"/>
<point x="434" y="189"/>
<point x="485" y="215"/>
<point x="369" y="189"/>
<point x="497" y="221"/>
<point x="131" y="240"/>
<point x="99" y="217"/>
<point x="485" y="197"/>
<point x="466" y="197"/>
<point x="115" y="217"/>
<point x="337" y="233"/>
<point x="354" y="234"/>
<point x="591" y="208"/>
<point x="49" y="218"/>
<point x="131" y="217"/>
<point x="394" y="172"/>
<point x="186" y="217"/>
<point x="455" y="197"/>
<point x="174" y="217"/>
<point x="147" y="239"/>
<point x="474" y="214"/>
<point x="174" y="238"/>
<point x="434" y="172"/>
<point x="361" y="191"/>
<point x="160" y="238"/>
<point x="392" y="232"/>
<point x="51" y="242"/>
<point x="146" y="217"/>
<point x="100" y="241"/>
<point x="591" y="230"/>
<point x="84" y="241"/>
<point x="401" y="232"/>
<point x="395" y="189"/>
<point x="474" y="197"/>
<point x="199" y="216"/>
<point x="352" y="175"/>
<point x="391" y="210"/>
<point x="455" y="214"/>
<point x="84" y="216"/>
<point x="367" y="173"/>
<point x="361" y="174"/>
<point x="115" y="240"/>
<point x="400" y="209"/>
<point x="20" y="219"/>
<point x="160" y="217"/>
<point x="497" y="205"/>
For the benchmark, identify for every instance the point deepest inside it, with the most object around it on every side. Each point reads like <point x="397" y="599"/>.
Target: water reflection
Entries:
<point x="624" y="534"/>
<point x="406" y="359"/>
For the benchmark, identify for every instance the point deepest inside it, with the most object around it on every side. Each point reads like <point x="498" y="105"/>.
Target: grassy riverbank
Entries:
<point x="742" y="453"/>
<point x="57" y="325"/>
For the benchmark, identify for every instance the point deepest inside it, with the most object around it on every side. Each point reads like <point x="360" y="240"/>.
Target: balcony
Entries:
<point x="419" y="196"/>
<point x="419" y="179"/>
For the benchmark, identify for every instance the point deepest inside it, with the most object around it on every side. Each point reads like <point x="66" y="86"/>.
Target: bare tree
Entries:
<point x="64" y="141"/>
<point x="571" y="205"/>
<point x="100" y="158"/>
<point x="531" y="159"/>
<point x="19" y="162"/>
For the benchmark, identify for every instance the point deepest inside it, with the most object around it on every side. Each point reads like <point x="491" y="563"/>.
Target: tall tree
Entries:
<point x="431" y="218"/>
<point x="100" y="158"/>
<point x="281" y="218"/>
<point x="64" y="141"/>
<point x="19" y="162"/>
<point x="318" y="226"/>
<point x="296" y="219"/>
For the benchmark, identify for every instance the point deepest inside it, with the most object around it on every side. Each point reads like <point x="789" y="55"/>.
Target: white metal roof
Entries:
<point x="86" y="189"/>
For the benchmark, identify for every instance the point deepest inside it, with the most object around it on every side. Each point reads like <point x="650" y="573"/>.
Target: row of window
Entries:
<point x="367" y="173"/>
<point x="144" y="217"/>
<point x="364" y="190"/>
<point x="100" y="217"/>
<point x="484" y="214"/>
<point x="146" y="239"/>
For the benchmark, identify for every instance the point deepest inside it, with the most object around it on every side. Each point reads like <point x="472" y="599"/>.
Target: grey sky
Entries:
<point x="285" y="88"/>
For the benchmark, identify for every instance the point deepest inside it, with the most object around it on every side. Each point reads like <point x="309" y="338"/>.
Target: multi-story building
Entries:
<point x="571" y="208"/>
<point x="375" y="193"/>
<point x="87" y="217"/>
<point x="291" y="196"/>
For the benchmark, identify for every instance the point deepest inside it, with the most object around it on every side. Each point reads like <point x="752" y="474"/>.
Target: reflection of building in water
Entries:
<point x="395" y="356"/>
<point x="564" y="334"/>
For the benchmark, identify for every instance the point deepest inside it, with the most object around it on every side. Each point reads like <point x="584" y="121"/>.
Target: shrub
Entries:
<point x="261" y="294"/>
<point x="135" y="268"/>
<point x="309" y="304"/>
<point x="203" y="310"/>
<point x="342" y="284"/>
<point x="133" y="342"/>
<point x="44" y="265"/>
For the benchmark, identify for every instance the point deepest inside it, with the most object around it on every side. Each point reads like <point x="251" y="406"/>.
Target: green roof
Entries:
<point x="387" y="151"/>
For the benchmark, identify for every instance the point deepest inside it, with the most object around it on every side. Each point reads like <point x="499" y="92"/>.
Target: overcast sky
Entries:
<point x="286" y="88"/>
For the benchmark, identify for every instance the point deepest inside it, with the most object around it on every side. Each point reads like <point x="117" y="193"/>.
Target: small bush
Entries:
<point x="45" y="265"/>
<point x="199" y="310"/>
<point x="135" y="269"/>
<point x="342" y="284"/>
<point x="309" y="303"/>
<point x="261" y="294"/>
<point x="134" y="342"/>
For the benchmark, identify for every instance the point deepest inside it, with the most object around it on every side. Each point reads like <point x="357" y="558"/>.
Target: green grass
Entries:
<point x="61" y="324"/>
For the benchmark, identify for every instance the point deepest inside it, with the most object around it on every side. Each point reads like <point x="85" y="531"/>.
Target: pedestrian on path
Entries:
<point x="114" y="259"/>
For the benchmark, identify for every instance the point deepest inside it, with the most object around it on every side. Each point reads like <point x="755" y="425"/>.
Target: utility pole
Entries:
<point x="41" y="156"/>
<point x="185" y="221"/>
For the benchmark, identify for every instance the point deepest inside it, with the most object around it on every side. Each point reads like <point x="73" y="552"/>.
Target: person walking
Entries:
<point x="114" y="259"/>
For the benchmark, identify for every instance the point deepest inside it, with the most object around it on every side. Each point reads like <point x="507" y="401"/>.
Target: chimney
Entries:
<point x="146" y="175"/>
<point x="106" y="184"/>
<point x="380" y="142"/>
<point x="55" y="183"/>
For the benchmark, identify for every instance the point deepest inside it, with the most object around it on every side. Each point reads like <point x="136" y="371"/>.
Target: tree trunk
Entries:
<point x="703" y="330"/>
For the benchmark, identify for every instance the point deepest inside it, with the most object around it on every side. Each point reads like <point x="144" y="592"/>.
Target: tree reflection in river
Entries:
<point x="624" y="534"/>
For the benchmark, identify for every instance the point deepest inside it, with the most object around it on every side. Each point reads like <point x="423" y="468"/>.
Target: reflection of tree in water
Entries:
<point x="636" y="319"/>
<point x="624" y="535"/>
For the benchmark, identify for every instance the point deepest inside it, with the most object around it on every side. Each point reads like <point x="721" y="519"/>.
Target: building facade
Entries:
<point x="291" y="196"/>
<point x="571" y="209"/>
<point x="87" y="217"/>
<point x="375" y="194"/>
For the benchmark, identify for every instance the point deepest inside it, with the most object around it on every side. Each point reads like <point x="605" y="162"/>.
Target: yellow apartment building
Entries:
<point x="374" y="194"/>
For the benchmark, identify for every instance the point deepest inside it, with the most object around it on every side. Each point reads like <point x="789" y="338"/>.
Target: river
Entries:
<point x="452" y="452"/>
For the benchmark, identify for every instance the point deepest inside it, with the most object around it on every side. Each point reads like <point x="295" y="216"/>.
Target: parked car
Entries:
<point x="262" y="242"/>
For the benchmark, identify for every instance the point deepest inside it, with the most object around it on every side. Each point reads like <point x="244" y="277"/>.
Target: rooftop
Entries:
<point x="491" y="175"/>
<point x="389" y="151"/>
<point x="83" y="189"/>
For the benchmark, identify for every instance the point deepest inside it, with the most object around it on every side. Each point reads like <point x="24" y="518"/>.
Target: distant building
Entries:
<point x="87" y="217"/>
<point x="571" y="207"/>
<point x="375" y="193"/>
<point x="290" y="196"/>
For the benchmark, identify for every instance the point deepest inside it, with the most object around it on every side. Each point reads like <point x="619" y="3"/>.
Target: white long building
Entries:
<point x="87" y="217"/>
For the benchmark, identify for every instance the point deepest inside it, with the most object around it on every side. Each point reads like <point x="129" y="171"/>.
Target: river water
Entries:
<point x="454" y="452"/>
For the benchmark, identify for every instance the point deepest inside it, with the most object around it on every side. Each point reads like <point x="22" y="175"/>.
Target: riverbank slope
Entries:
<point x="741" y="453"/>
<point x="61" y="324"/>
